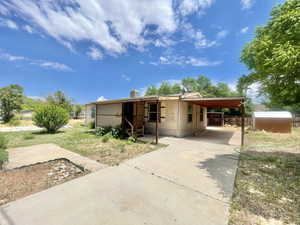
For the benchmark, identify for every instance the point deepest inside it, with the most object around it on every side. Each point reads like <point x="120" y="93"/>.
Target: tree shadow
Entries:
<point x="222" y="169"/>
<point x="44" y="132"/>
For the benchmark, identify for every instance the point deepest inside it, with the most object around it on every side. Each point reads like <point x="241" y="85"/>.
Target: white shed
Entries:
<point x="273" y="121"/>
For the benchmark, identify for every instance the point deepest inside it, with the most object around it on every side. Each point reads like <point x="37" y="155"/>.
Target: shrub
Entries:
<point x="132" y="139"/>
<point x="101" y="131"/>
<point x="51" y="117"/>
<point x="116" y="132"/>
<point x="91" y="125"/>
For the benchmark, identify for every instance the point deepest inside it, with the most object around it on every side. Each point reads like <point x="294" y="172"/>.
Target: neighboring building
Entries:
<point x="26" y="114"/>
<point x="273" y="121"/>
<point x="90" y="112"/>
<point x="173" y="115"/>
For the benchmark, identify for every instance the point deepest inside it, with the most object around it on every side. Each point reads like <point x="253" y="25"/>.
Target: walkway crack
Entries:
<point x="174" y="182"/>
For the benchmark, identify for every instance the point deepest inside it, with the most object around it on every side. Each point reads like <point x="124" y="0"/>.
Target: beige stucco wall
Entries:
<point x="109" y="115"/>
<point x="169" y="124"/>
<point x="176" y="122"/>
<point x="189" y="128"/>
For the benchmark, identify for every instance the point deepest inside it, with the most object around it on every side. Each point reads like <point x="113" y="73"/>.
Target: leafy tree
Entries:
<point x="31" y="104"/>
<point x="151" y="90"/>
<point x="189" y="84"/>
<point x="176" y="89"/>
<point x="274" y="57"/>
<point x="165" y="88"/>
<point x="52" y="117"/>
<point x="59" y="98"/>
<point x="223" y="90"/>
<point x="77" y="111"/>
<point x="11" y="99"/>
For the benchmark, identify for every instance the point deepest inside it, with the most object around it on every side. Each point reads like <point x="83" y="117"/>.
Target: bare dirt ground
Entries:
<point x="21" y="182"/>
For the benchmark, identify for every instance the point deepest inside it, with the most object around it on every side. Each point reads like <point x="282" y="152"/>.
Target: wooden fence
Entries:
<point x="237" y="121"/>
<point x="296" y="121"/>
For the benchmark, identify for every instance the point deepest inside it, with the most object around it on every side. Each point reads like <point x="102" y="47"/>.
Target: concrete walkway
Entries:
<point x="189" y="182"/>
<point x="25" y="156"/>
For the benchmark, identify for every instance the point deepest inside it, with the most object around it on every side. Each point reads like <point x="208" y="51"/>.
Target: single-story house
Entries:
<point x="172" y="115"/>
<point x="273" y="121"/>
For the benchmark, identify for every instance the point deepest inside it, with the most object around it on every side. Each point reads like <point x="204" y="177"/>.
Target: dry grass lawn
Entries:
<point x="267" y="188"/>
<point x="80" y="140"/>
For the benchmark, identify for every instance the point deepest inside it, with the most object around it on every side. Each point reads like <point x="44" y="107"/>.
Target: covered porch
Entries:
<point x="229" y="103"/>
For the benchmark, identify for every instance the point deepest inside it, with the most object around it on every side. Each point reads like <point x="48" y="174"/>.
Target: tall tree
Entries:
<point x="11" y="99"/>
<point x="165" y="88"/>
<point x="59" y="98"/>
<point x="151" y="90"/>
<point x="274" y="57"/>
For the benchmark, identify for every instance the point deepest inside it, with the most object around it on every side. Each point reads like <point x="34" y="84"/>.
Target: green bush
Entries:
<point x="115" y="132"/>
<point x="51" y="117"/>
<point x="132" y="139"/>
<point x="91" y="125"/>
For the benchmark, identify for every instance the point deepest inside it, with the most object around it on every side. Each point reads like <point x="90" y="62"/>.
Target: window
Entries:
<point x="152" y="112"/>
<point x="93" y="112"/>
<point x="201" y="114"/>
<point x="190" y="113"/>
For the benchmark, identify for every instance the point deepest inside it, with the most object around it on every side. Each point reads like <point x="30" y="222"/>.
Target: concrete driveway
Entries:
<point x="189" y="182"/>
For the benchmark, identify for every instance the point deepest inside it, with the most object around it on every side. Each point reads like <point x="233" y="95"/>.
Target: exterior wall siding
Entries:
<point x="176" y="122"/>
<point x="169" y="124"/>
<point x="109" y="115"/>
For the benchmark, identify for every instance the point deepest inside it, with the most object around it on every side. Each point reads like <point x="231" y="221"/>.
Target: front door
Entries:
<point x="138" y="114"/>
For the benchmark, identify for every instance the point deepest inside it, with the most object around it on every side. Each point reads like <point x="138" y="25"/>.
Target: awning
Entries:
<point x="231" y="103"/>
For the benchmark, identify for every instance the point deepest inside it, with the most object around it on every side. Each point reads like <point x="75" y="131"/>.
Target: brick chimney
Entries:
<point x="134" y="94"/>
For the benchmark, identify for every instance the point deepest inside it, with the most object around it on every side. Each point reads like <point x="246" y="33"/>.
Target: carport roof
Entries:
<point x="231" y="102"/>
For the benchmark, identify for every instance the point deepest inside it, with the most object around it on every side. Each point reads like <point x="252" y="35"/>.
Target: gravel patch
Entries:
<point x="24" y="181"/>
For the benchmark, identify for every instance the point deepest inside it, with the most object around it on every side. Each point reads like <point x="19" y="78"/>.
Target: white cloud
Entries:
<point x="28" y="28"/>
<point x="244" y="30"/>
<point x="196" y="36"/>
<point x="222" y="34"/>
<point x="95" y="53"/>
<point x="9" y="57"/>
<point x="247" y="4"/>
<point x="53" y="65"/>
<point x="191" y="6"/>
<point x="101" y="99"/>
<point x="114" y="25"/>
<point x="9" y="23"/>
<point x="41" y="63"/>
<point x="185" y="60"/>
<point x="125" y="77"/>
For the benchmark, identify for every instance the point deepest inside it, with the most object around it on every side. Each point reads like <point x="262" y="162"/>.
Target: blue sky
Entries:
<point x="93" y="48"/>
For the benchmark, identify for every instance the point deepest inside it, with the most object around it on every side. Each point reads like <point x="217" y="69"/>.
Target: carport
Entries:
<point x="229" y="103"/>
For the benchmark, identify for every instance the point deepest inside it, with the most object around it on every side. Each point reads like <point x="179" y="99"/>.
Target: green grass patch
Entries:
<point x="79" y="139"/>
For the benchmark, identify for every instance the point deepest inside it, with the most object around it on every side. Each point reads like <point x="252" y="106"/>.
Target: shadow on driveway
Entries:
<point x="221" y="169"/>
